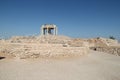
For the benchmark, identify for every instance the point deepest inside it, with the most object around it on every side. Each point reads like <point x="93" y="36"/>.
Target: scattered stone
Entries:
<point x="43" y="46"/>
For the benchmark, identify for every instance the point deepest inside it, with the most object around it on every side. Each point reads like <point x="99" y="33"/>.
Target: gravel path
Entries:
<point x="94" y="66"/>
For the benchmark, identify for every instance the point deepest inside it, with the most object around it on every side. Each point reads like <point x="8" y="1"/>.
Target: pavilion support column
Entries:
<point x="41" y="30"/>
<point x="56" y="31"/>
<point x="47" y="30"/>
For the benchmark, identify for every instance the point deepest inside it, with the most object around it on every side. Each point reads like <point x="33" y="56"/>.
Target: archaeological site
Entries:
<point x="50" y="44"/>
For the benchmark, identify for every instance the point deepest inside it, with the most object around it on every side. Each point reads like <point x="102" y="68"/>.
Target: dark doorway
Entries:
<point x="2" y="57"/>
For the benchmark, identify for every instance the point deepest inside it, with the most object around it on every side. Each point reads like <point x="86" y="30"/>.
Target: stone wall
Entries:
<point x="101" y="42"/>
<point x="105" y="45"/>
<point x="42" y="50"/>
<point x="43" y="46"/>
<point x="115" y="50"/>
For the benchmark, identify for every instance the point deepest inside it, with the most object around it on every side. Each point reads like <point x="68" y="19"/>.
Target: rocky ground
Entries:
<point x="93" y="66"/>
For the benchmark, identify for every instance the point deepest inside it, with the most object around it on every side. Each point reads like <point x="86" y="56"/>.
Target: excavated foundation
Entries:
<point x="43" y="46"/>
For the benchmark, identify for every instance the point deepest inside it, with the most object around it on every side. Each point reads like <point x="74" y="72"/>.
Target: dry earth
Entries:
<point x="94" y="66"/>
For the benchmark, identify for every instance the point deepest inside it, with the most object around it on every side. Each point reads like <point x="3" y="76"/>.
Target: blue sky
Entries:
<point x="74" y="18"/>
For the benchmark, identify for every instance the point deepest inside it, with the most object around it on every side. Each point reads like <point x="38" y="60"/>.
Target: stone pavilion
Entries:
<point x="49" y="29"/>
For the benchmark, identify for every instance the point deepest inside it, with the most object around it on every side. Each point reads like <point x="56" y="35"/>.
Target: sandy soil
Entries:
<point x="94" y="66"/>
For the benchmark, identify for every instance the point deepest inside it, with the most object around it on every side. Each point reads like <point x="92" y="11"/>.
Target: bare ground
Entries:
<point x="94" y="66"/>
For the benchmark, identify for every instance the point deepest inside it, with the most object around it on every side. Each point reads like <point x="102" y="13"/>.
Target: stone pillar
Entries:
<point x="42" y="30"/>
<point x="47" y="30"/>
<point x="56" y="31"/>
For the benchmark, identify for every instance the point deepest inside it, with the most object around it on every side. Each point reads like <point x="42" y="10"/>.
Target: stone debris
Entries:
<point x="105" y="45"/>
<point x="111" y="50"/>
<point x="43" y="46"/>
<point x="54" y="46"/>
<point x="102" y="42"/>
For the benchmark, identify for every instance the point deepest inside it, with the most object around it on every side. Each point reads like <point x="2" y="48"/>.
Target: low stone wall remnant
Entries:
<point x="111" y="50"/>
<point x="43" y="46"/>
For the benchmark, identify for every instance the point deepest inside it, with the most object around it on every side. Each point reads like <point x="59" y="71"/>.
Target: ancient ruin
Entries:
<point x="105" y="45"/>
<point x="49" y="29"/>
<point x="48" y="44"/>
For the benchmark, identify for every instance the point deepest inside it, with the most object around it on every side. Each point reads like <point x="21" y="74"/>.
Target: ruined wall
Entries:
<point x="105" y="45"/>
<point x="43" y="46"/>
<point x="111" y="50"/>
<point x="101" y="42"/>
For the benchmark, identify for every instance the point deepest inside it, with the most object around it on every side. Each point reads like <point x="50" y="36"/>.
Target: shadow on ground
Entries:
<point x="2" y="57"/>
